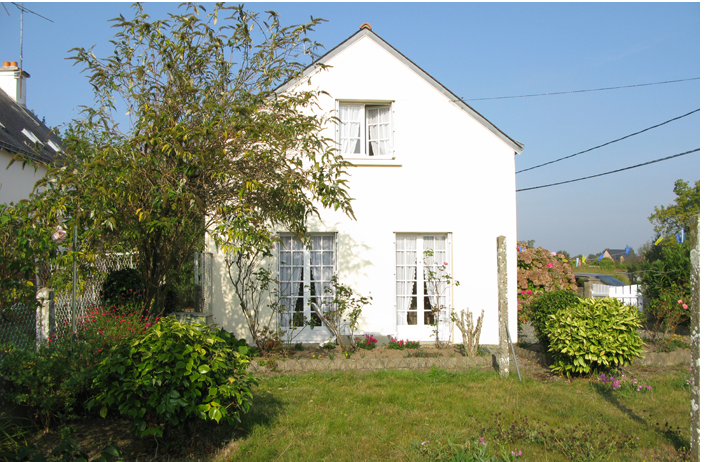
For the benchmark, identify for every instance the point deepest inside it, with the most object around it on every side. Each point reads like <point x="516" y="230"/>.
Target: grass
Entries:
<point x="433" y="415"/>
<point x="410" y="415"/>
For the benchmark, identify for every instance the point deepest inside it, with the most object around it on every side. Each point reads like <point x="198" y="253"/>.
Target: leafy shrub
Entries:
<point x="122" y="287"/>
<point x="592" y="335"/>
<point x="55" y="379"/>
<point x="172" y="374"/>
<point x="606" y="263"/>
<point x="546" y="304"/>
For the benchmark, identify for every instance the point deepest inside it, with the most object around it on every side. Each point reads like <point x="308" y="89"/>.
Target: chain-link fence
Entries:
<point x="89" y="295"/>
<point x="17" y="326"/>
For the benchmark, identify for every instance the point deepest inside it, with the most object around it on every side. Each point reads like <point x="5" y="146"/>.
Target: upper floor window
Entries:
<point x="365" y="129"/>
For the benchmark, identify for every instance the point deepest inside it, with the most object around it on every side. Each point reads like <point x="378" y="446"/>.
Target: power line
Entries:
<point x="613" y="171"/>
<point x="23" y="8"/>
<point x="580" y="91"/>
<point x="609" y="142"/>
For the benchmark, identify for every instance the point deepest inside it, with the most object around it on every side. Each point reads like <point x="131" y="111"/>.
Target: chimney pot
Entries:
<point x="13" y="63"/>
<point x="6" y="64"/>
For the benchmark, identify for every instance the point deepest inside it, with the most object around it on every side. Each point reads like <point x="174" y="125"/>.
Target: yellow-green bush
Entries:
<point x="592" y="335"/>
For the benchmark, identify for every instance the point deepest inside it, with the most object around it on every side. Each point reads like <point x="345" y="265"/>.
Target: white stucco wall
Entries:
<point x="16" y="182"/>
<point x="450" y="175"/>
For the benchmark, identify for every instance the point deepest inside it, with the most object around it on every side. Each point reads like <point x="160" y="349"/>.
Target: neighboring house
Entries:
<point x="428" y="172"/>
<point x="21" y="133"/>
<point x="620" y="255"/>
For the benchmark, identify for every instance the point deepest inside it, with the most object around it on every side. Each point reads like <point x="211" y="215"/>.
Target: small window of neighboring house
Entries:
<point x="365" y="130"/>
<point x="305" y="273"/>
<point x="33" y="138"/>
<point x="54" y="146"/>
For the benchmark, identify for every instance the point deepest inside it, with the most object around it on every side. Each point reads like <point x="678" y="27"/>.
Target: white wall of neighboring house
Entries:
<point x="450" y="175"/>
<point x="16" y="182"/>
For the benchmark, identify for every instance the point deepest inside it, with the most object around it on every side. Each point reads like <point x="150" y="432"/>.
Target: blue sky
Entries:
<point x="485" y="50"/>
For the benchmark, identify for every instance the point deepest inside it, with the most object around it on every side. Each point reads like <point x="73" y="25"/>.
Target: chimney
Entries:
<point x="14" y="82"/>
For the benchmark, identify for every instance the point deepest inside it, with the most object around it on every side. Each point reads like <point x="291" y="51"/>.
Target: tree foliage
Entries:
<point x="211" y="147"/>
<point x="671" y="219"/>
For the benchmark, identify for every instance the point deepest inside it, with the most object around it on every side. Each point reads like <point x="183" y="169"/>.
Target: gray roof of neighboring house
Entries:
<point x="13" y="120"/>
<point x="365" y="32"/>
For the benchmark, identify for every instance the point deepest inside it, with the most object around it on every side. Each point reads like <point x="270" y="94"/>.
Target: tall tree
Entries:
<point x="671" y="219"/>
<point x="211" y="146"/>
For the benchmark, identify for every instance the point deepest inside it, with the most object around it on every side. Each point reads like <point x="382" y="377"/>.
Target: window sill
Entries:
<point x="367" y="162"/>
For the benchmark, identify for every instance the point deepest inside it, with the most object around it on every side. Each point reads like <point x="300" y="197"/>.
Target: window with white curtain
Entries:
<point x="304" y="275"/>
<point x="416" y="294"/>
<point x="365" y="130"/>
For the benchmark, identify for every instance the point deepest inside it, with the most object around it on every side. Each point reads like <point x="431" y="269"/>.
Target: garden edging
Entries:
<point x="672" y="358"/>
<point x="324" y="364"/>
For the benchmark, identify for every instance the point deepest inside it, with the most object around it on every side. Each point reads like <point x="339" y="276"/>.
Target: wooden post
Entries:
<point x="695" y="338"/>
<point x="503" y="360"/>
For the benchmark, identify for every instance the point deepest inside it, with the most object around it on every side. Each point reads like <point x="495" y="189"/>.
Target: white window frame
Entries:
<point x="407" y="273"/>
<point x="364" y="154"/>
<point x="303" y="259"/>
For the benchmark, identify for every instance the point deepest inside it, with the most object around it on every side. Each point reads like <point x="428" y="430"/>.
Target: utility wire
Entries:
<point x="609" y="142"/>
<point x="580" y="91"/>
<point x="23" y="8"/>
<point x="613" y="171"/>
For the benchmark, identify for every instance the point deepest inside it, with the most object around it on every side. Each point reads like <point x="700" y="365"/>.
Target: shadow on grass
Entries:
<point x="673" y="435"/>
<point x="265" y="409"/>
<point x="608" y="396"/>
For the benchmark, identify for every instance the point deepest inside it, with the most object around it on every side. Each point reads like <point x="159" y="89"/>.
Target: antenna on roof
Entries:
<point x="22" y="10"/>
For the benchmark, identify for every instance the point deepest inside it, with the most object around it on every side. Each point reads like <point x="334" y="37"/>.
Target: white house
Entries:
<point x="21" y="132"/>
<point x="428" y="172"/>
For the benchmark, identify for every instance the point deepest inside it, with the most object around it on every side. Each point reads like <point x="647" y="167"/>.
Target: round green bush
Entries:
<point x="122" y="287"/>
<point x="175" y="373"/>
<point x="593" y="335"/>
<point x="546" y="304"/>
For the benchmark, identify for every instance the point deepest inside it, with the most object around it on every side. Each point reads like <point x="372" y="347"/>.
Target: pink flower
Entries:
<point x="445" y="263"/>
<point x="553" y="253"/>
<point x="550" y="265"/>
<point x="685" y="307"/>
<point x="680" y="302"/>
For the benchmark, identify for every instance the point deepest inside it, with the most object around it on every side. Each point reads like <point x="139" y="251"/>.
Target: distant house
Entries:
<point x="21" y="132"/>
<point x="428" y="173"/>
<point x="620" y="255"/>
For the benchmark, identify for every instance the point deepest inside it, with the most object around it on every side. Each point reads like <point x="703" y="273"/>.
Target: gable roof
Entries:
<point x="14" y="119"/>
<point x="365" y="31"/>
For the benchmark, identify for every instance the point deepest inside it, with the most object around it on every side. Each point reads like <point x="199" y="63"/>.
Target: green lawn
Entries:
<point x="409" y="415"/>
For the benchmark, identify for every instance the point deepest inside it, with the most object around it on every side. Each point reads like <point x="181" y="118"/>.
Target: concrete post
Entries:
<point x="45" y="320"/>
<point x="503" y="302"/>
<point x="695" y="338"/>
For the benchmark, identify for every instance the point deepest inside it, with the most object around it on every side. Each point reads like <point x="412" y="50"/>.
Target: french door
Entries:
<point x="421" y="262"/>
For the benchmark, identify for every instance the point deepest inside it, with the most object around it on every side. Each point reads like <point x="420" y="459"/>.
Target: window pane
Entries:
<point x="350" y="127"/>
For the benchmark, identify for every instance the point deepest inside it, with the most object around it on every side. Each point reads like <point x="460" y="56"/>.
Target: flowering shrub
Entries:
<point x="368" y="343"/>
<point x="55" y="380"/>
<point x="539" y="271"/>
<point x="395" y="344"/>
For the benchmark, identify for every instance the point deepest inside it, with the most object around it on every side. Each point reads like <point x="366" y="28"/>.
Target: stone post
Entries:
<point x="503" y="305"/>
<point x="45" y="320"/>
<point x="695" y="338"/>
